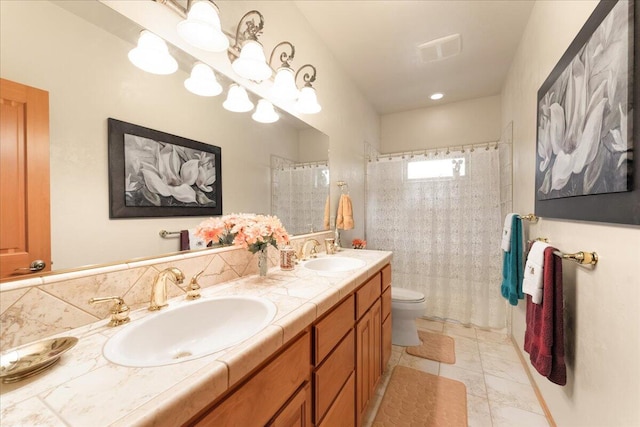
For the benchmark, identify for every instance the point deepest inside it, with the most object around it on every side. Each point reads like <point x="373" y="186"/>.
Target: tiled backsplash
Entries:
<point x="59" y="302"/>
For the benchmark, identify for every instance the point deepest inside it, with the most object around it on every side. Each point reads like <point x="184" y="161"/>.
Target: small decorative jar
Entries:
<point x="287" y="258"/>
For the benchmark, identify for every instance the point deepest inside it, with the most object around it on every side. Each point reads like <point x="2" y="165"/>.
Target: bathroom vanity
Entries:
<point x="317" y="363"/>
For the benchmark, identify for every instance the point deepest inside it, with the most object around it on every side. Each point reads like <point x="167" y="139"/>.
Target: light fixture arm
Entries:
<point x="285" y="57"/>
<point x="307" y="78"/>
<point x="252" y="31"/>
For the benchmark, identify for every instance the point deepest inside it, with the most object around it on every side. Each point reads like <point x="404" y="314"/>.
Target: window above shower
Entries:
<point x="436" y="168"/>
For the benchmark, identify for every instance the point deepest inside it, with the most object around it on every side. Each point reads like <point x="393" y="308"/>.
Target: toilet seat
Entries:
<point x="406" y="296"/>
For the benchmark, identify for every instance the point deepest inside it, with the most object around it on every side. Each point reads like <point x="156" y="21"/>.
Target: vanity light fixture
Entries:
<point x="251" y="62"/>
<point x="265" y="113"/>
<point x="284" y="83"/>
<point x="203" y="81"/>
<point x="237" y="100"/>
<point x="307" y="100"/>
<point x="437" y="96"/>
<point x="202" y="28"/>
<point x="152" y="55"/>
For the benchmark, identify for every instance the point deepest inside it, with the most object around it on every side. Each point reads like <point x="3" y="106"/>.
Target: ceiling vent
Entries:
<point x="444" y="47"/>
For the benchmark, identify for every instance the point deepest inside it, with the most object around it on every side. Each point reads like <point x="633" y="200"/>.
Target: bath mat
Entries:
<point x="415" y="398"/>
<point x="438" y="347"/>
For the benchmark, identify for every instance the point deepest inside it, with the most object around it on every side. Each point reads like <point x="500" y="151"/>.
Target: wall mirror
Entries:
<point x="77" y="51"/>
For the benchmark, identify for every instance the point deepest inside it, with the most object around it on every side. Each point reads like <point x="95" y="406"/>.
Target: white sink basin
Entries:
<point x="333" y="264"/>
<point x="189" y="331"/>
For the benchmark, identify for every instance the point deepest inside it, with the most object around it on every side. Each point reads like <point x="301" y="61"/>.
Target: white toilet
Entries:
<point x="406" y="306"/>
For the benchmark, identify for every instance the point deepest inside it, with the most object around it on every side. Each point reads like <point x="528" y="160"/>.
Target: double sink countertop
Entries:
<point x="85" y="389"/>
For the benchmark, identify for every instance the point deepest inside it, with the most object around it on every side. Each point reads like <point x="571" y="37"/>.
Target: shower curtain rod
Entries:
<point x="284" y="166"/>
<point x="436" y="151"/>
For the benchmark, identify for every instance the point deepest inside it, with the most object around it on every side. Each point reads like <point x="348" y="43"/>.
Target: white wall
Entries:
<point x="601" y="304"/>
<point x="89" y="78"/>
<point x="447" y="125"/>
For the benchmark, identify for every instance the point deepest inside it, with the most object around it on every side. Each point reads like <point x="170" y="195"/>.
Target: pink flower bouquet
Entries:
<point x="254" y="232"/>
<point x="359" y="244"/>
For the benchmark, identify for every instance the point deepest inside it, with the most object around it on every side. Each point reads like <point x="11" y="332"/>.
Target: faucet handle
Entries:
<point x="119" y="311"/>
<point x="193" y="291"/>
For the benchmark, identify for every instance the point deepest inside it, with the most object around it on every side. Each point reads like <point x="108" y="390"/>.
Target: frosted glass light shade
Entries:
<point x="251" y="64"/>
<point x="265" y="113"/>
<point x="152" y="55"/>
<point x="308" y="101"/>
<point x="237" y="100"/>
<point x="284" y="85"/>
<point x="203" y="81"/>
<point x="202" y="28"/>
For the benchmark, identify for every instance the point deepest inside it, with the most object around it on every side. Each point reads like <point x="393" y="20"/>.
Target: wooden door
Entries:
<point x="25" y="233"/>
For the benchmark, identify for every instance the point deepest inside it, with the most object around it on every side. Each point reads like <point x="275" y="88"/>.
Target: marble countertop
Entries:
<point x="85" y="389"/>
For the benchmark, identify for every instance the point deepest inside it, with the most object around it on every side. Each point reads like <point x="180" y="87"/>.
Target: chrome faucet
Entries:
<point x="159" y="287"/>
<point x="313" y="253"/>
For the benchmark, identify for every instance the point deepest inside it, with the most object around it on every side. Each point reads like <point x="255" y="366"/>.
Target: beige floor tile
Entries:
<point x="499" y="351"/>
<point x="478" y="412"/>
<point x="507" y="416"/>
<point x="493" y="336"/>
<point x="424" y="365"/>
<point x="453" y="329"/>
<point x="431" y="325"/>
<point x="468" y="345"/>
<point x="503" y="368"/>
<point x="468" y="360"/>
<point x="474" y="381"/>
<point x="512" y="394"/>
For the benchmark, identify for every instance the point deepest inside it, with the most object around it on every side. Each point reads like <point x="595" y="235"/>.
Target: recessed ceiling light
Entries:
<point x="437" y="96"/>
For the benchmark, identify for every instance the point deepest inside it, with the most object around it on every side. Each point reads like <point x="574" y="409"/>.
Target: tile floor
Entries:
<point x="498" y="390"/>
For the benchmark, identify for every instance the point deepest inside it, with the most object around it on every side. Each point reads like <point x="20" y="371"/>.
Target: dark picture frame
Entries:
<point x="156" y="174"/>
<point x="609" y="189"/>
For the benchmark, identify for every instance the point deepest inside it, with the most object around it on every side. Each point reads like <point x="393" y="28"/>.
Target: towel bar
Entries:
<point x="165" y="234"/>
<point x="530" y="218"/>
<point x="581" y="257"/>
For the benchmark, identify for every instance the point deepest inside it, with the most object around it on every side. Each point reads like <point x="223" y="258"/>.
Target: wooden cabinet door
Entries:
<point x="297" y="412"/>
<point x="364" y="339"/>
<point x="25" y="233"/>
<point x="376" y="346"/>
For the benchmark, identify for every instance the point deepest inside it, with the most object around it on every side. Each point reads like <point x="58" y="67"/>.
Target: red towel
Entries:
<point x="184" y="240"/>
<point x="544" y="337"/>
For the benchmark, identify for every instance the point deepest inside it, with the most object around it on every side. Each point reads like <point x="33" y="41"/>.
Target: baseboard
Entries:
<point x="525" y="365"/>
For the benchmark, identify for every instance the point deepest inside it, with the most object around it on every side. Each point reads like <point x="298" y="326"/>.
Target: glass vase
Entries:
<point x="263" y="262"/>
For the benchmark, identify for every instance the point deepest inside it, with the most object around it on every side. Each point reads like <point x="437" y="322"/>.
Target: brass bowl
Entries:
<point x="31" y="359"/>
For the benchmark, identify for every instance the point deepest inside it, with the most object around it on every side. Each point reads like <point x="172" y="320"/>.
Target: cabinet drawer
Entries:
<point x="332" y="374"/>
<point x="330" y="330"/>
<point x="386" y="342"/>
<point x="277" y="382"/>
<point x="367" y="295"/>
<point x="342" y="412"/>
<point x="386" y="277"/>
<point x="297" y="412"/>
<point x="386" y="303"/>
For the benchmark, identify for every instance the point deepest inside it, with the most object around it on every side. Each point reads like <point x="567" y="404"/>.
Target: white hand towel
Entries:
<point x="533" y="272"/>
<point x="196" y="242"/>
<point x="506" y="232"/>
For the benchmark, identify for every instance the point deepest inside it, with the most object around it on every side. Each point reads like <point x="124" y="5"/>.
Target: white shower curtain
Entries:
<point x="299" y="194"/>
<point x="444" y="232"/>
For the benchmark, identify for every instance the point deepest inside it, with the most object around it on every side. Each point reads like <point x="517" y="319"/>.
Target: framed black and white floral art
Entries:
<point x="155" y="174"/>
<point x="586" y="136"/>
